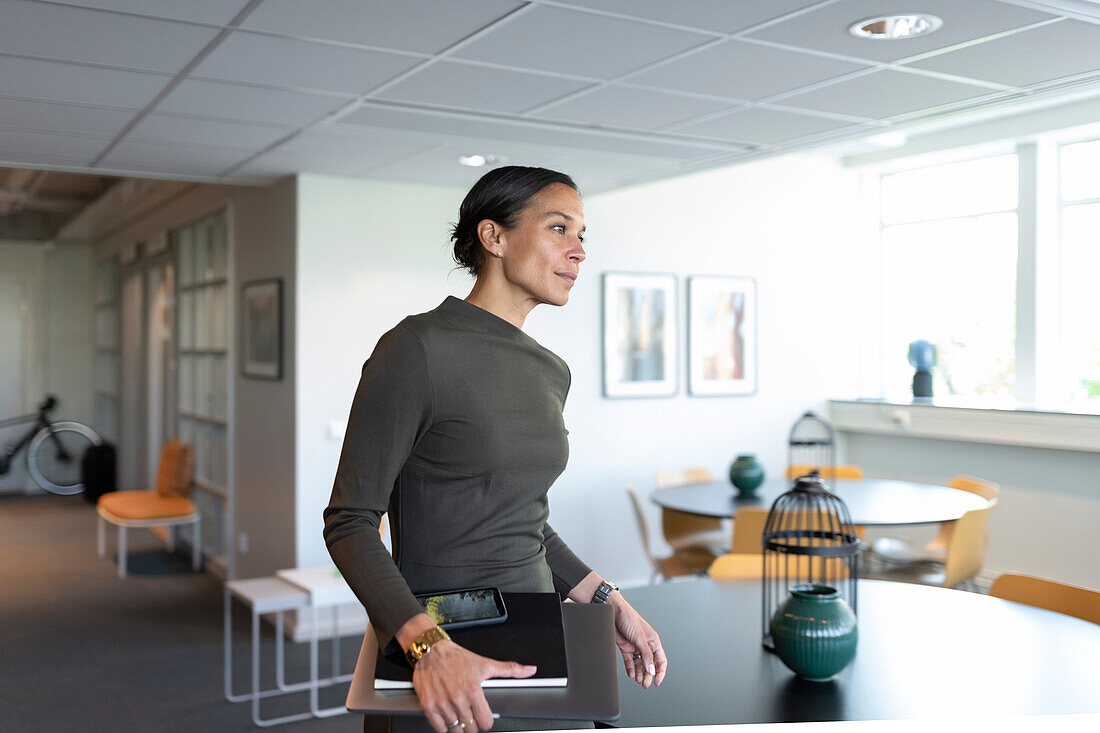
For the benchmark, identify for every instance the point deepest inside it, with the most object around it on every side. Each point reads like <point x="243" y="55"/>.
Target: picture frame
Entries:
<point x="262" y="329"/>
<point x="639" y="334"/>
<point x="722" y="336"/>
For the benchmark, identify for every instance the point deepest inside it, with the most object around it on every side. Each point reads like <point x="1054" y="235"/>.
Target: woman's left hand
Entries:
<point x="643" y="654"/>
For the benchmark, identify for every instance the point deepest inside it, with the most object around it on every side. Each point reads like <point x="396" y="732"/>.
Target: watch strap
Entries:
<point x="423" y="644"/>
<point x="604" y="592"/>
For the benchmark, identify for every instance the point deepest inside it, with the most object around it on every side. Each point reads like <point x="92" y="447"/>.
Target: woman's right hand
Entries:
<point x="448" y="682"/>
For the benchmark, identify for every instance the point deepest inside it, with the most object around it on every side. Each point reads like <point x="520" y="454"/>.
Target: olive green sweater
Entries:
<point x="456" y="430"/>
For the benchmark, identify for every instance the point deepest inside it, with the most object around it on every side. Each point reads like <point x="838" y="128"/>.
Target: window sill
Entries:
<point x="1003" y="426"/>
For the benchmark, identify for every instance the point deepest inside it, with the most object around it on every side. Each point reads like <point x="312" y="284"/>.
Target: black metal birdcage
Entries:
<point x="808" y="539"/>
<point x="812" y="445"/>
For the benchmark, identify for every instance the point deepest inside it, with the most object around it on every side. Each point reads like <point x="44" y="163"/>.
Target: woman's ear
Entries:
<point x="489" y="234"/>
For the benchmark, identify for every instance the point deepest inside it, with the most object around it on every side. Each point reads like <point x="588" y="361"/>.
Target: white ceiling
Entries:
<point x="614" y="91"/>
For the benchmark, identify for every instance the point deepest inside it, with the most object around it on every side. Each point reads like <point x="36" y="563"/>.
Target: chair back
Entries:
<point x="683" y="477"/>
<point x="1071" y="600"/>
<point x="737" y="566"/>
<point x="748" y="528"/>
<point x="981" y="487"/>
<point x="833" y="472"/>
<point x="176" y="469"/>
<point x="966" y="549"/>
<point x="643" y="528"/>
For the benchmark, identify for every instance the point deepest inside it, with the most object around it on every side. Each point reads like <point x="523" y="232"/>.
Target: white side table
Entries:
<point x="324" y="587"/>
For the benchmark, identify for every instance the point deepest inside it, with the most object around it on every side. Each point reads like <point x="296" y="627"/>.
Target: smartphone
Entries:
<point x="458" y="609"/>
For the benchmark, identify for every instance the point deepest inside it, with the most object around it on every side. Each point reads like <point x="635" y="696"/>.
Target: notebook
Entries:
<point x="532" y="634"/>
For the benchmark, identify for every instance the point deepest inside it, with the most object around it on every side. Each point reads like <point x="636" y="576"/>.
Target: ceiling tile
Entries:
<point x="218" y="12"/>
<point x="248" y="104"/>
<point x="99" y="37"/>
<point x="60" y="82"/>
<point x="60" y="148"/>
<point x="722" y="16"/>
<point x="479" y="88"/>
<point x="366" y="148"/>
<point x="826" y="29"/>
<point x="190" y="130"/>
<point x="453" y="126"/>
<point x="286" y="62"/>
<point x="572" y="42"/>
<point x="883" y="94"/>
<point x="627" y="107"/>
<point x="170" y="160"/>
<point x="1024" y="58"/>
<point x="740" y="70"/>
<point x="77" y="119"/>
<point x="334" y="152"/>
<point x="762" y="126"/>
<point x="398" y="24"/>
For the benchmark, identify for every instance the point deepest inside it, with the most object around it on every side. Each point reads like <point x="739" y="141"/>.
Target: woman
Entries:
<point x="456" y="430"/>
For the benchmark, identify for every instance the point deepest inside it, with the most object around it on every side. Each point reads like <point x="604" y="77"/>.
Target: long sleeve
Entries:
<point x="568" y="569"/>
<point x="391" y="411"/>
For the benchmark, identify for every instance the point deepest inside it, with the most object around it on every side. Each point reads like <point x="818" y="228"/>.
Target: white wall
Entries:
<point x="69" y="346"/>
<point x="370" y="253"/>
<point x="57" y="326"/>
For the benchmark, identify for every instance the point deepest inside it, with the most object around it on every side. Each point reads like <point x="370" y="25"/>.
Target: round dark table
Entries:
<point x="869" y="501"/>
<point x="924" y="652"/>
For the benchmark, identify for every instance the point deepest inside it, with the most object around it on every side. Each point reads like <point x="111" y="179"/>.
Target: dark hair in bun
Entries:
<point x="499" y="195"/>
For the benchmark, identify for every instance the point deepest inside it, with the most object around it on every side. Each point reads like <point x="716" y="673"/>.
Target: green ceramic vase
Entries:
<point x="746" y="474"/>
<point x="814" y="632"/>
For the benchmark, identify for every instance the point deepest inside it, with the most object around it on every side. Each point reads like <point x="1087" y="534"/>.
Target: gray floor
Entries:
<point x="84" y="650"/>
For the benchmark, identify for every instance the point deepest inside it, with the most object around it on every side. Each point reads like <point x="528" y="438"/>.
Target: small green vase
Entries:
<point x="746" y="474"/>
<point x="814" y="632"/>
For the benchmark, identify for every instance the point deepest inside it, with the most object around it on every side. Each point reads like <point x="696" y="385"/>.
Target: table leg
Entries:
<point x="121" y="551"/>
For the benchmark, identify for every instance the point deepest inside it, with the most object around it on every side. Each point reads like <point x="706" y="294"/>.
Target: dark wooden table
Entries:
<point x="869" y="501"/>
<point x="924" y="652"/>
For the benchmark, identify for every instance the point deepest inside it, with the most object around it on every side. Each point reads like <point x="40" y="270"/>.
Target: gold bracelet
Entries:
<point x="423" y="644"/>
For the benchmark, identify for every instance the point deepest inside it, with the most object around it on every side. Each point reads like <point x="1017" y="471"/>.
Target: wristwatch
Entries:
<point x="604" y="592"/>
<point x="423" y="644"/>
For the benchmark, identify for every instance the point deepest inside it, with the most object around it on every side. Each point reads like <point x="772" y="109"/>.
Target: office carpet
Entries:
<point x="84" y="650"/>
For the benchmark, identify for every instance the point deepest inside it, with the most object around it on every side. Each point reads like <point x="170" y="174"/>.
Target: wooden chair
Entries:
<point x="826" y="471"/>
<point x="898" y="552"/>
<point x="684" y="531"/>
<point x="963" y="560"/>
<point x="686" y="562"/>
<point x="167" y="506"/>
<point x="1070" y="600"/>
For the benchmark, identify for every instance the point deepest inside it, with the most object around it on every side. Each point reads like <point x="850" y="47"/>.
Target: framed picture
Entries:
<point x="639" y="335"/>
<point x="262" y="329"/>
<point x="721" y="335"/>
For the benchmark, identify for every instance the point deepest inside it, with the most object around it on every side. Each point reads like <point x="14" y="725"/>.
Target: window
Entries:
<point x="949" y="253"/>
<point x="1079" y="380"/>
<point x="203" y="251"/>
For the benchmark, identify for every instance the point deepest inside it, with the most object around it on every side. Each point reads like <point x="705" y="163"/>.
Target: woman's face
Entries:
<point x="541" y="256"/>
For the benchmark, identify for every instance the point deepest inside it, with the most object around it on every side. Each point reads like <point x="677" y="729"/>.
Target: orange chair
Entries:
<point x="963" y="559"/>
<point x="169" y="505"/>
<point x="745" y="561"/>
<point x="901" y="553"/>
<point x="1071" y="600"/>
<point x="686" y="562"/>
<point x="684" y="531"/>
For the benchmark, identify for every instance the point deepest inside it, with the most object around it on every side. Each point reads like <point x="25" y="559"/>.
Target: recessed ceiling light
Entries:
<point x="478" y="161"/>
<point x="894" y="27"/>
<point x="892" y="139"/>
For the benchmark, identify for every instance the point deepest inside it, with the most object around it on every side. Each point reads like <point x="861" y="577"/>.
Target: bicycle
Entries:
<point x="54" y="449"/>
